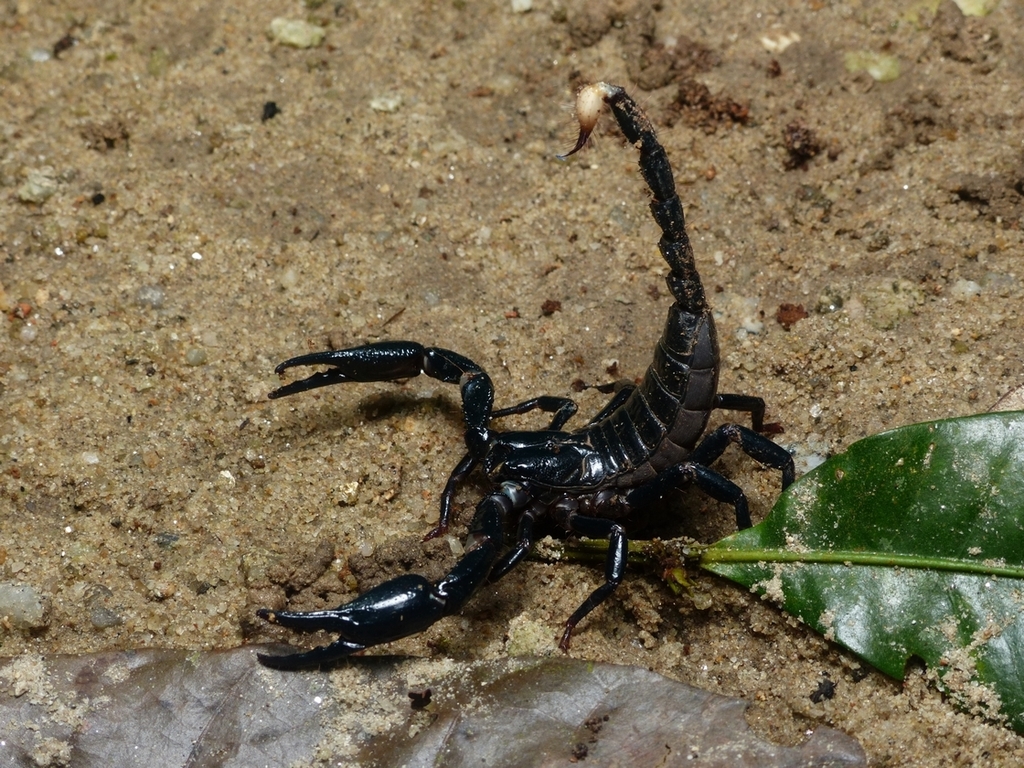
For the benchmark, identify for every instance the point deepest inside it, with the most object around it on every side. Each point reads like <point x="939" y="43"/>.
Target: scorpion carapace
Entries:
<point x="648" y="440"/>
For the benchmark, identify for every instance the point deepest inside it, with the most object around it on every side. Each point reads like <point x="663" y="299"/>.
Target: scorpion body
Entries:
<point x="648" y="440"/>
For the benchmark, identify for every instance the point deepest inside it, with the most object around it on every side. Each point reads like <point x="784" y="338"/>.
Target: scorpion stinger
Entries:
<point x="649" y="440"/>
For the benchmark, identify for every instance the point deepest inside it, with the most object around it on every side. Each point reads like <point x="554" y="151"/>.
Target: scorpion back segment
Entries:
<point x="648" y="440"/>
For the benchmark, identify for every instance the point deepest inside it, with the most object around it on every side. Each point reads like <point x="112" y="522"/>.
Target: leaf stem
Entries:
<point x="639" y="552"/>
<point x="853" y="557"/>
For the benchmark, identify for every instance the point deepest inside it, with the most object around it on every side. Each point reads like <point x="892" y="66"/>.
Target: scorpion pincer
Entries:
<point x="648" y="440"/>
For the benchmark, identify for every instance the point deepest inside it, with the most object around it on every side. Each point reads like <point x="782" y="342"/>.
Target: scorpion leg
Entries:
<point x="617" y="399"/>
<point x="524" y="541"/>
<point x="754" y="445"/>
<point x="460" y="473"/>
<point x="615" y="565"/>
<point x="745" y="403"/>
<point x="563" y="408"/>
<point x="404" y="605"/>
<point x="710" y="482"/>
<point x="695" y="470"/>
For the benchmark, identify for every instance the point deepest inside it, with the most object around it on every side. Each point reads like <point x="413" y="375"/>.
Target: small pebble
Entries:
<point x="752" y="326"/>
<point x="160" y="589"/>
<point x="104" y="618"/>
<point x="166" y="540"/>
<point x="347" y="494"/>
<point x="40" y="185"/>
<point x="270" y="111"/>
<point x="976" y="7"/>
<point x="296" y="33"/>
<point x="521" y="6"/>
<point x="780" y="41"/>
<point x="1003" y="285"/>
<point x="965" y="289"/>
<point x="151" y="296"/>
<point x="389" y="102"/>
<point x="289" y="278"/>
<point x="195" y="356"/>
<point x="23" y="606"/>
<point x="149" y="457"/>
<point x="880" y="66"/>
<point x="455" y="546"/>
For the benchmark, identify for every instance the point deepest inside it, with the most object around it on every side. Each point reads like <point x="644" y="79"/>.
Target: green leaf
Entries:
<point x="911" y="543"/>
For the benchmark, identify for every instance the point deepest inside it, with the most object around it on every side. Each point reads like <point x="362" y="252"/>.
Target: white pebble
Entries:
<point x="780" y="41"/>
<point x="753" y="326"/>
<point x="290" y="278"/>
<point x="40" y="185"/>
<point x="455" y="546"/>
<point x="23" y="607"/>
<point x="389" y="102"/>
<point x="296" y="33"/>
<point x="965" y="289"/>
<point x="195" y="356"/>
<point x="151" y="296"/>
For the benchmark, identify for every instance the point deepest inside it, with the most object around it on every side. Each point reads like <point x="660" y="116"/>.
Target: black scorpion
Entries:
<point x="645" y="442"/>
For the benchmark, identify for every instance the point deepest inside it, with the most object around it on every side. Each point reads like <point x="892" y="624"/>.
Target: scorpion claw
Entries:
<point x="402" y="606"/>
<point x="323" y="656"/>
<point x="317" y="380"/>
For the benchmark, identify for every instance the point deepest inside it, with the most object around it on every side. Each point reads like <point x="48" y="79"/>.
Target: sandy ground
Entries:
<point x="175" y="246"/>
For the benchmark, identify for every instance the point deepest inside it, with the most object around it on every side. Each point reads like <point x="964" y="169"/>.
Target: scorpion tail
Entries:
<point x="684" y="281"/>
<point x="588" y="107"/>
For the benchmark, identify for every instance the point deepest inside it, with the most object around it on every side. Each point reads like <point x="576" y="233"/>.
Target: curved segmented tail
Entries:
<point x="663" y="418"/>
<point x="684" y="282"/>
